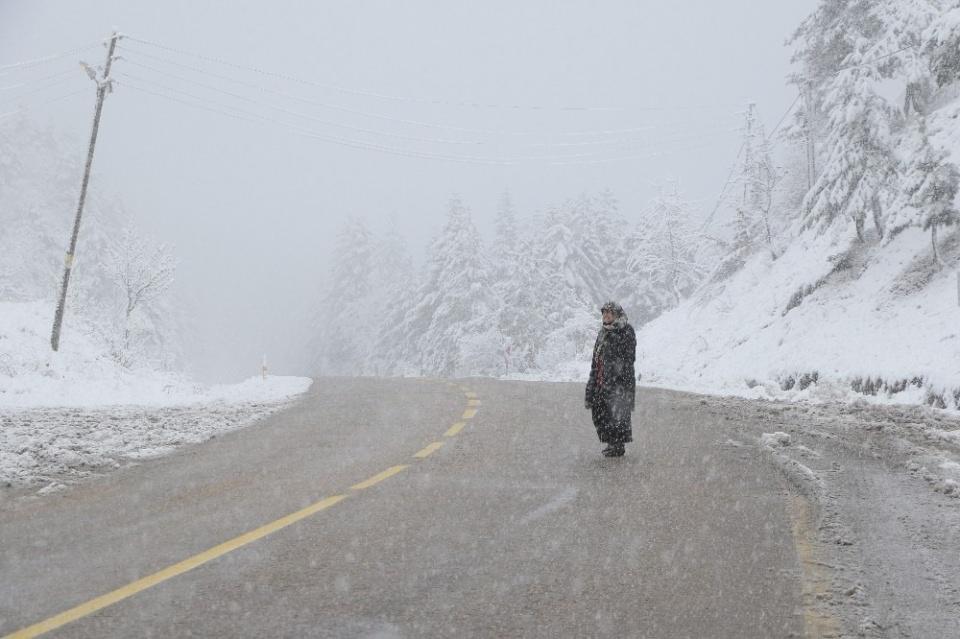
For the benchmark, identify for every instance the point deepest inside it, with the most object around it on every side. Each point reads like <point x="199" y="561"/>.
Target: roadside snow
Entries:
<point x="70" y="414"/>
<point x="55" y="446"/>
<point x="775" y="439"/>
<point x="884" y="487"/>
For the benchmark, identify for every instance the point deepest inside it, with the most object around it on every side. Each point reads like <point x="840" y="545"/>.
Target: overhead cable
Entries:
<point x="298" y="114"/>
<point x="16" y="98"/>
<point x="375" y="116"/>
<point x="399" y="98"/>
<point x="247" y="99"/>
<point x="207" y="105"/>
<point x="56" y="56"/>
<point x="43" y="103"/>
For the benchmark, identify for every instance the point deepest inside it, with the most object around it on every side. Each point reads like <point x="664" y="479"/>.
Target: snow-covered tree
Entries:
<point x="669" y="246"/>
<point x="835" y="48"/>
<point x="597" y="258"/>
<point x="932" y="186"/>
<point x="141" y="274"/>
<point x="343" y="318"/>
<point x="391" y="293"/>
<point x="40" y="176"/>
<point x="506" y="238"/>
<point x="757" y="177"/>
<point x="641" y="291"/>
<point x="898" y="51"/>
<point x="454" y="300"/>
<point x="847" y="50"/>
<point x="942" y="45"/>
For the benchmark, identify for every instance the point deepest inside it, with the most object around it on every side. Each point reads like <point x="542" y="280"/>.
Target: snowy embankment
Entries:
<point x="821" y="324"/>
<point x="73" y="413"/>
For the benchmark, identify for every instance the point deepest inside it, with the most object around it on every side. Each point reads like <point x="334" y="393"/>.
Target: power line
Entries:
<point x="295" y="113"/>
<point x="872" y="60"/>
<point x="784" y="117"/>
<point x="28" y="83"/>
<point x="332" y="139"/>
<point x="345" y="126"/>
<point x="49" y="58"/>
<point x="347" y="141"/>
<point x="399" y="98"/>
<point x="726" y="185"/>
<point x="240" y="114"/>
<point x="368" y="114"/>
<point x="644" y="156"/>
<point x="45" y="102"/>
<point x="16" y="98"/>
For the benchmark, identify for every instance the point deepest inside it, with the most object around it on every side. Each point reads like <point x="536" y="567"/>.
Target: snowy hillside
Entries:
<point x="874" y="317"/>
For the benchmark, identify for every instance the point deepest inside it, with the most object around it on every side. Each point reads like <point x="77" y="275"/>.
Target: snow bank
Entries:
<point x="67" y="415"/>
<point x="83" y="375"/>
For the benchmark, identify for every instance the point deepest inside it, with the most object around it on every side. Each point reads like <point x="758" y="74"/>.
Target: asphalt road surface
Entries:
<point x="513" y="526"/>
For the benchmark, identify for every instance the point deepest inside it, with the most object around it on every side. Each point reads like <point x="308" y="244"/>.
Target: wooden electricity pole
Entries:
<point x="103" y="88"/>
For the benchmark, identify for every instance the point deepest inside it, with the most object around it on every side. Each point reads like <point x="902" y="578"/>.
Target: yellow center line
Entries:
<point x="379" y="477"/>
<point x="131" y="589"/>
<point x="453" y="430"/>
<point x="170" y="572"/>
<point x="429" y="450"/>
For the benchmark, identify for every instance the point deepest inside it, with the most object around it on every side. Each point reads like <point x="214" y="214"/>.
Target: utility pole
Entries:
<point x="104" y="86"/>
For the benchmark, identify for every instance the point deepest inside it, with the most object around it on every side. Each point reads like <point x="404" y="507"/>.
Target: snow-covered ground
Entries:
<point x="69" y="414"/>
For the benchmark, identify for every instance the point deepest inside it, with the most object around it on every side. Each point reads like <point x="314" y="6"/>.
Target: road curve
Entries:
<point x="506" y="523"/>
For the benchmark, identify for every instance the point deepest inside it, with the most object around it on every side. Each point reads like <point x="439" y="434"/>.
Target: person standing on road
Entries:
<point x="611" y="389"/>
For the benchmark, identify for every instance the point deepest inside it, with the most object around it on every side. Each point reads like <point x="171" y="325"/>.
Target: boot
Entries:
<point x="614" y="450"/>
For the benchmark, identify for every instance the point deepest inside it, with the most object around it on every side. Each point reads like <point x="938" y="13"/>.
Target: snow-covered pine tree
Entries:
<point x="597" y="259"/>
<point x="559" y="296"/>
<point x="520" y="319"/>
<point x="454" y="300"/>
<point x="848" y="49"/>
<point x="343" y="340"/>
<point x="932" y="185"/>
<point x="835" y="49"/>
<point x="395" y="350"/>
<point x="899" y="53"/>
<point x="525" y="309"/>
<point x="942" y="45"/>
<point x="640" y="292"/>
<point x="391" y="293"/>
<point x="506" y="240"/>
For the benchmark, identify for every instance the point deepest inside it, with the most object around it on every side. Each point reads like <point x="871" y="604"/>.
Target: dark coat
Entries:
<point x="612" y="378"/>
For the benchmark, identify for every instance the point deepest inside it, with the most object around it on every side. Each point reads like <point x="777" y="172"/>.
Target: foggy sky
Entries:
<point x="251" y="208"/>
